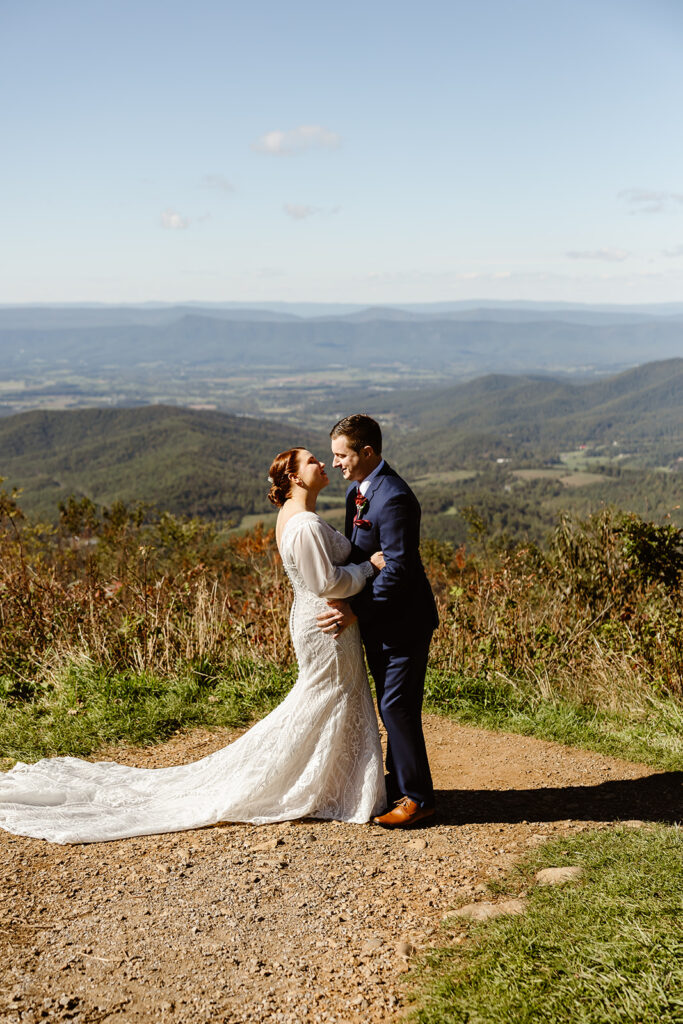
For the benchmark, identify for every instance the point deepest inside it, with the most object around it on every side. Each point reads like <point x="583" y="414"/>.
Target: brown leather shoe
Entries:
<point x="404" y="814"/>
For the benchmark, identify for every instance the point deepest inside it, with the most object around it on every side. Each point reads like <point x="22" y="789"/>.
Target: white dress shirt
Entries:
<point x="364" y="485"/>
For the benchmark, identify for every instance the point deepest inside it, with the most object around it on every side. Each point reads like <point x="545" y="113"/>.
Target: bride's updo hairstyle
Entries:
<point x="284" y="465"/>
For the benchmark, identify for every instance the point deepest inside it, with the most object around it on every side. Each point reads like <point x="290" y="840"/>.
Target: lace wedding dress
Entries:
<point x="316" y="755"/>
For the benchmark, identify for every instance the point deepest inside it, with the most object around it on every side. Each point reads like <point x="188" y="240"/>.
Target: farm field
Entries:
<point x="578" y="478"/>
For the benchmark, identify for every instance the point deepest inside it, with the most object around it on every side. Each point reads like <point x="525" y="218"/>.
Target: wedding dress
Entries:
<point x="316" y="755"/>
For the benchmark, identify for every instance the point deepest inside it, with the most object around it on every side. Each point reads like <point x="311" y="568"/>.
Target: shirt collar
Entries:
<point x="365" y="485"/>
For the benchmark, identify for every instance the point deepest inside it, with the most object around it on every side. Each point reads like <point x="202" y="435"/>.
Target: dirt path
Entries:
<point x="304" y="921"/>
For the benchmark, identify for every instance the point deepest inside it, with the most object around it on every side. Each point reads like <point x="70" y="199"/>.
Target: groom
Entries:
<point x="396" y="611"/>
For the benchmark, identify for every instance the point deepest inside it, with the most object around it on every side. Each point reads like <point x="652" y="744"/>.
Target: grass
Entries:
<point x="607" y="949"/>
<point x="87" y="707"/>
<point x="653" y="735"/>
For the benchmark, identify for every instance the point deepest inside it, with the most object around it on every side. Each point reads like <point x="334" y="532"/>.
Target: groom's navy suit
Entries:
<point x="397" y="615"/>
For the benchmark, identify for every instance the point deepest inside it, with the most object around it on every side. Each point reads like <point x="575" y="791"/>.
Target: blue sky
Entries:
<point x="365" y="152"/>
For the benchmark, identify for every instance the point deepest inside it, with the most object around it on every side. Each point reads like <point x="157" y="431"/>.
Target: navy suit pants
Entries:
<point x="399" y="675"/>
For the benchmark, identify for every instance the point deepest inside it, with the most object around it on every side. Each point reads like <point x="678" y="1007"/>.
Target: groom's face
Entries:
<point x="355" y="466"/>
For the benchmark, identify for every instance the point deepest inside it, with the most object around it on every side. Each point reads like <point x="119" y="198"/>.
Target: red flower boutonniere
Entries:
<point x="362" y="505"/>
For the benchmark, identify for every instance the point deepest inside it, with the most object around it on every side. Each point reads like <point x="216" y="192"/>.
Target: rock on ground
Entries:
<point x="558" y="876"/>
<point x="484" y="911"/>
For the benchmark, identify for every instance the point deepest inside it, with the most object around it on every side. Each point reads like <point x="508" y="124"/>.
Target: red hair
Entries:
<point x="282" y="467"/>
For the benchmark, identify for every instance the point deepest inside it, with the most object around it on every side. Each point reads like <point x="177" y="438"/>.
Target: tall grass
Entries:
<point x="133" y="594"/>
<point x="595" y="621"/>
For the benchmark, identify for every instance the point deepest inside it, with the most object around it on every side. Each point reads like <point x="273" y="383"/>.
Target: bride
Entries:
<point x="316" y="755"/>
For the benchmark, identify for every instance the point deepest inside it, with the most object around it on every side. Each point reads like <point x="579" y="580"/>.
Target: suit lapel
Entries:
<point x="350" y="512"/>
<point x="375" y="485"/>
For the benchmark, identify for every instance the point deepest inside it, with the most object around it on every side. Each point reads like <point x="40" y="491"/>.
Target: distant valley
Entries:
<point x="518" y="449"/>
<point x="280" y="364"/>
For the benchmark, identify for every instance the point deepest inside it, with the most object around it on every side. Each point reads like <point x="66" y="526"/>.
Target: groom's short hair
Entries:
<point x="359" y="430"/>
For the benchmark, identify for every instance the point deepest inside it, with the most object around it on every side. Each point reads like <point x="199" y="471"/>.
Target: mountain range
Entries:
<point x="454" y="340"/>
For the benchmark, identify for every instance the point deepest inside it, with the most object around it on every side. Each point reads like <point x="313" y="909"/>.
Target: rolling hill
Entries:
<point x="215" y="464"/>
<point x="639" y="410"/>
<point x="182" y="460"/>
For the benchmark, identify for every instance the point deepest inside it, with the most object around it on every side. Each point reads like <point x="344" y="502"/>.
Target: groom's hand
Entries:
<point x="337" y="618"/>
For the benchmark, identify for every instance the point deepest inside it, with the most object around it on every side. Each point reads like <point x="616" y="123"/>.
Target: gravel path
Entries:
<point x="299" y="922"/>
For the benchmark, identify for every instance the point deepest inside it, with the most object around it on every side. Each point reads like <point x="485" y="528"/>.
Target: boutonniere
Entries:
<point x="362" y="505"/>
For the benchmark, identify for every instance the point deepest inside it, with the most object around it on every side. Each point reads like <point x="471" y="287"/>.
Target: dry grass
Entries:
<point x="591" y="621"/>
<point x="595" y="620"/>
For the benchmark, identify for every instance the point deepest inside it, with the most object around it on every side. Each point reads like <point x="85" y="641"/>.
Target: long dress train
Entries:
<point x="316" y="755"/>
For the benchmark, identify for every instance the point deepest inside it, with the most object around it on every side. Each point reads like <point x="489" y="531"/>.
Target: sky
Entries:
<point x="366" y="152"/>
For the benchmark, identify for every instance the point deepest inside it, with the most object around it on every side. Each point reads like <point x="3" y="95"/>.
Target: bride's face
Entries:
<point x="311" y="472"/>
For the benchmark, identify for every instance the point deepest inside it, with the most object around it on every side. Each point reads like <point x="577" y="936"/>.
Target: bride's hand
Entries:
<point x="377" y="560"/>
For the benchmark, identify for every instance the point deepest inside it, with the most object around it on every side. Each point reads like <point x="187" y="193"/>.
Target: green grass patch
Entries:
<point x="654" y="737"/>
<point x="87" y="706"/>
<point x="607" y="949"/>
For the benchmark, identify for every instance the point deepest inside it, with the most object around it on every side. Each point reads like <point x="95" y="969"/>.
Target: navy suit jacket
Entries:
<point x="397" y="608"/>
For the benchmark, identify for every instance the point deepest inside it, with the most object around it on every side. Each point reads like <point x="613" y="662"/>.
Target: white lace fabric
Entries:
<point x="316" y="755"/>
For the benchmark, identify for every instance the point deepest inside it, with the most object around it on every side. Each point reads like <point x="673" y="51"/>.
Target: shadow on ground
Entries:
<point x="657" y="797"/>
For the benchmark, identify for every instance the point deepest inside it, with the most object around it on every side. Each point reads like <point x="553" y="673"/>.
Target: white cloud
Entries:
<point x="674" y="253"/>
<point x="296" y="140"/>
<point x="298" y="212"/>
<point x="173" y="221"/>
<point x="643" y="200"/>
<point x="218" y="182"/>
<point x="607" y="255"/>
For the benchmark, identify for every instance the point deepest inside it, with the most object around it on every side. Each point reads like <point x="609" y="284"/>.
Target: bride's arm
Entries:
<point x="320" y="574"/>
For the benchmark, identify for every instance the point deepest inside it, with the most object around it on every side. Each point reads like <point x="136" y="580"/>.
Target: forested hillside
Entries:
<point x="188" y="461"/>
<point x="640" y="410"/>
<point x="517" y="449"/>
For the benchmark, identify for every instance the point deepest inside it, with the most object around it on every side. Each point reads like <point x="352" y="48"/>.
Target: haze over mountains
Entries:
<point x="453" y="339"/>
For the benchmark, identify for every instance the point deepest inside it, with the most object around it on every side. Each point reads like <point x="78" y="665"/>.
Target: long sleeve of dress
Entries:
<point x="321" y="576"/>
